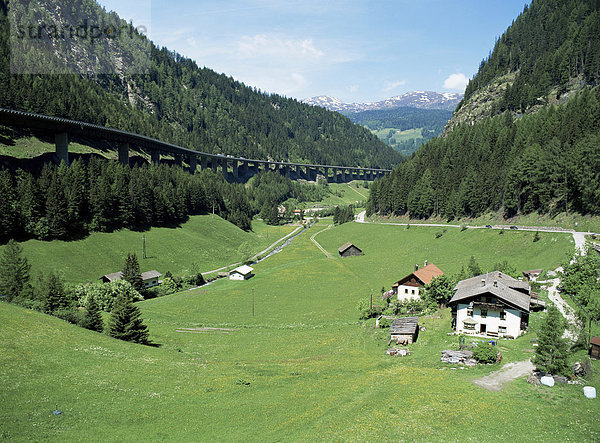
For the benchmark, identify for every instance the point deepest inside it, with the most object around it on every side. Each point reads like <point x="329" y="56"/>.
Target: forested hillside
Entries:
<point x="545" y="161"/>
<point x="176" y="101"/>
<point x="552" y="44"/>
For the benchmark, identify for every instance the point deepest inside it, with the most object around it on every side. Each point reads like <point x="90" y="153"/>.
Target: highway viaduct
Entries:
<point x="232" y="168"/>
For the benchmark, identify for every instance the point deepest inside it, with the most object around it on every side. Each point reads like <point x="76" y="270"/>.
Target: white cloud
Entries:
<point x="456" y="82"/>
<point x="261" y="45"/>
<point x="353" y="88"/>
<point x="390" y="86"/>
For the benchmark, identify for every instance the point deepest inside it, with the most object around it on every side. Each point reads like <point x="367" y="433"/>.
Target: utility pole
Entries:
<point x="252" y="302"/>
<point x="143" y="246"/>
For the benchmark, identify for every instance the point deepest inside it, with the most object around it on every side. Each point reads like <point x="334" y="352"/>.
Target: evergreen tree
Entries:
<point x="53" y="293"/>
<point x="131" y="272"/>
<point x="93" y="315"/>
<point x="14" y="272"/>
<point x="552" y="351"/>
<point x="473" y="268"/>
<point x="125" y="322"/>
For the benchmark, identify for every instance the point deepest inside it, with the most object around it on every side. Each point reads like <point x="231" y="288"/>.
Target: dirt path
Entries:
<point x="357" y="191"/>
<point x="510" y="371"/>
<point x="323" y="250"/>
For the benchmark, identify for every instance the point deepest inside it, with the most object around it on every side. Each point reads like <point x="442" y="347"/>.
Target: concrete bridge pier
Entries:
<point x="193" y="162"/>
<point x="124" y="153"/>
<point x="224" y="167"/>
<point x="242" y="169"/>
<point x="311" y="174"/>
<point x="235" y="169"/>
<point x="341" y="177"/>
<point x="61" y="141"/>
<point x="203" y="162"/>
<point x="155" y="157"/>
<point x="213" y="164"/>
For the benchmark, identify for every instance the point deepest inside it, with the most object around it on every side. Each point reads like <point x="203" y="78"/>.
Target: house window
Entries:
<point x="469" y="312"/>
<point x="483" y="313"/>
<point x="501" y="329"/>
<point x="406" y="290"/>
<point x="413" y="291"/>
<point x="503" y="315"/>
<point x="470" y="326"/>
<point x="488" y="299"/>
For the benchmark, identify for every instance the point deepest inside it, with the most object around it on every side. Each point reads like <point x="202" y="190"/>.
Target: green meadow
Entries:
<point x="205" y="240"/>
<point x="282" y="357"/>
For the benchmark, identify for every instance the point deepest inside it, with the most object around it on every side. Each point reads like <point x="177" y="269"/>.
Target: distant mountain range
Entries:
<point x="414" y="99"/>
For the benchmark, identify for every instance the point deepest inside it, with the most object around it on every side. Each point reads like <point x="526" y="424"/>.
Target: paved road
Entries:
<point x="264" y="251"/>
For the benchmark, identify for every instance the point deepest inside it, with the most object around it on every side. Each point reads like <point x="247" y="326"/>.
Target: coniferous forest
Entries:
<point x="174" y="100"/>
<point x="545" y="161"/>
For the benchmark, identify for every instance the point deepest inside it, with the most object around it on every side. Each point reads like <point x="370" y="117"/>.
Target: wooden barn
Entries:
<point x="349" y="250"/>
<point x="404" y="330"/>
<point x="595" y="347"/>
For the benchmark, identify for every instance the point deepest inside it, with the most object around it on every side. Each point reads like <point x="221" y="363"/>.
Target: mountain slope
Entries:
<point x="547" y="161"/>
<point x="136" y="86"/>
<point x="550" y="50"/>
<point x="413" y="99"/>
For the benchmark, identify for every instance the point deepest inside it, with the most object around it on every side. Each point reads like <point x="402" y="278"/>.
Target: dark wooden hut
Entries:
<point x="349" y="250"/>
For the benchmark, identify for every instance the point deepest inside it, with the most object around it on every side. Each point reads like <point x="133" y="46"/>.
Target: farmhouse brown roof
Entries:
<point x="595" y="341"/>
<point x="427" y="273"/>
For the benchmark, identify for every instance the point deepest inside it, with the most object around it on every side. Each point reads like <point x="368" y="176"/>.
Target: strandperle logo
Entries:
<point x="84" y="31"/>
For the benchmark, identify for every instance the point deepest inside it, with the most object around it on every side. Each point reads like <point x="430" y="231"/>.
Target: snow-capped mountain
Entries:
<point x="414" y="99"/>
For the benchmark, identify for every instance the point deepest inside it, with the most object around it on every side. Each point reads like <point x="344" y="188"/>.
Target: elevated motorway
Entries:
<point x="233" y="168"/>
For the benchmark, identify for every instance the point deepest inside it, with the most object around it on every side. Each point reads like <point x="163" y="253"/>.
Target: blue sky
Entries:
<point x="355" y="50"/>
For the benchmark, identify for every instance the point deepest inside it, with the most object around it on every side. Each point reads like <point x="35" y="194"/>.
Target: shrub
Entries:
<point x="385" y="322"/>
<point x="485" y="354"/>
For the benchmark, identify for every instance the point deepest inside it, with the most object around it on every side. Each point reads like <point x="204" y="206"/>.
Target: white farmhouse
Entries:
<point x="244" y="272"/>
<point x="410" y="285"/>
<point x="491" y="305"/>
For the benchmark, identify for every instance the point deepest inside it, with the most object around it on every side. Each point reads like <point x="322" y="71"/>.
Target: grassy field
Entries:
<point x="209" y="242"/>
<point x="585" y="223"/>
<point x="302" y="368"/>
<point x="399" y="136"/>
<point x="342" y="194"/>
<point x="30" y="147"/>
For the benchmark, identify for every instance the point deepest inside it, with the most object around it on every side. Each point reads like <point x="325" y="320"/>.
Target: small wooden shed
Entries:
<point x="404" y="330"/>
<point x="595" y="347"/>
<point x="348" y="250"/>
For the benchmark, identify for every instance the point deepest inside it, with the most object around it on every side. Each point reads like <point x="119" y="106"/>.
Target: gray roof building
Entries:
<point x="511" y="291"/>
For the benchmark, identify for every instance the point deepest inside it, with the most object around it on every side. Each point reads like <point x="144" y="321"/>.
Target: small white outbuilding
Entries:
<point x="244" y="272"/>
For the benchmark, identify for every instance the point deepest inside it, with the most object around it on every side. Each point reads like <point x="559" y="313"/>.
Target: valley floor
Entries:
<point x="301" y="368"/>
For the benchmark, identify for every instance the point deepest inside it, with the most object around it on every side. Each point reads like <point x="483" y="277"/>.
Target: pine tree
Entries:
<point x="53" y="293"/>
<point x="93" y="316"/>
<point x="552" y="351"/>
<point x="131" y="272"/>
<point x="125" y="322"/>
<point x="14" y="272"/>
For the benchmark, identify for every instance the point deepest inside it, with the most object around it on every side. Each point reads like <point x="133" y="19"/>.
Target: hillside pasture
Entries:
<point x="301" y="368"/>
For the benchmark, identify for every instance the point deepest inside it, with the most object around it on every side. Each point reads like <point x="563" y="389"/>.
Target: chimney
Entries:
<point x="416" y="268"/>
<point x="495" y="283"/>
<point x="425" y="263"/>
<point x="482" y="282"/>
